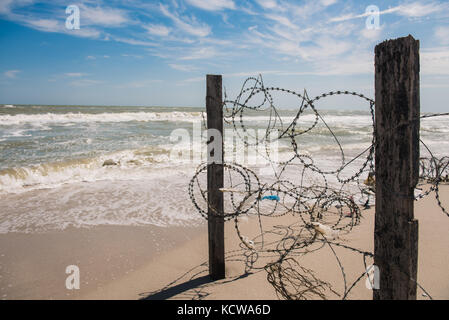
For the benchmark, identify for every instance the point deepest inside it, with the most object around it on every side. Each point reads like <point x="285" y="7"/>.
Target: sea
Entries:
<point x="83" y="166"/>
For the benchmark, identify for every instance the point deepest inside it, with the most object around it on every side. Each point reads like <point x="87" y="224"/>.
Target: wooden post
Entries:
<point x="214" y="108"/>
<point x="397" y="162"/>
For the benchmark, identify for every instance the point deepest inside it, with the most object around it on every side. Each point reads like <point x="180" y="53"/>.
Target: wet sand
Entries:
<point x="171" y="263"/>
<point x="182" y="273"/>
<point x="32" y="266"/>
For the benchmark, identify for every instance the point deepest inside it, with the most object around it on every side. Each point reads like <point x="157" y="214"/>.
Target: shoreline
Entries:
<point x="153" y="263"/>
<point x="33" y="265"/>
<point x="183" y="272"/>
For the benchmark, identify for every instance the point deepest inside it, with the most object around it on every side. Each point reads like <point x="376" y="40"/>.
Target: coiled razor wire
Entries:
<point x="323" y="210"/>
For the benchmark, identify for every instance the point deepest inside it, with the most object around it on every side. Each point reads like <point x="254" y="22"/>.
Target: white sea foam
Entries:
<point x="349" y="120"/>
<point x="67" y="118"/>
<point x="128" y="165"/>
<point x="15" y="134"/>
<point x="151" y="200"/>
<point x="148" y="185"/>
<point x="176" y="116"/>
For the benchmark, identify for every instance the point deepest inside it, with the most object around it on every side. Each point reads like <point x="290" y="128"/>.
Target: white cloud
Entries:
<point x="84" y="33"/>
<point x="267" y="4"/>
<point x="417" y="9"/>
<point x="4" y="6"/>
<point x="328" y="2"/>
<point x="75" y="74"/>
<point x="139" y="84"/>
<point x="45" y="21"/>
<point x="442" y="35"/>
<point x="7" y="5"/>
<point x="372" y="34"/>
<point x="307" y="10"/>
<point x="195" y="79"/>
<point x="200" y="53"/>
<point x="134" y="42"/>
<point x="108" y="17"/>
<point x="435" y="61"/>
<point x="52" y="25"/>
<point x="351" y="64"/>
<point x="47" y="25"/>
<point x="410" y="10"/>
<point x="11" y="73"/>
<point x="213" y="5"/>
<point x="158" y="29"/>
<point x="182" y="67"/>
<point x="190" y="27"/>
<point x="307" y="44"/>
<point x="282" y="20"/>
<point x="95" y="57"/>
<point x="137" y="56"/>
<point x="85" y="82"/>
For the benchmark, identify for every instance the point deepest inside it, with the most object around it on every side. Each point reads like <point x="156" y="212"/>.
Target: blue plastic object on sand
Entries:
<point x="274" y="198"/>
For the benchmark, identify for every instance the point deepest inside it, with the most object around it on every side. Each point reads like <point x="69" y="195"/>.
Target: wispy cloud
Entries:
<point x="435" y="61"/>
<point x="442" y="35"/>
<point x="187" y="25"/>
<point x="93" y="18"/>
<point x="135" y="42"/>
<point x="6" y="6"/>
<point x="328" y="2"/>
<point x="200" y="53"/>
<point x="139" y="84"/>
<point x="103" y="16"/>
<point x="52" y="25"/>
<point x="75" y="74"/>
<point x="213" y="5"/>
<point x="129" y="55"/>
<point x="283" y="20"/>
<point x="182" y="67"/>
<point x="11" y="74"/>
<point x="191" y="80"/>
<point x="158" y="30"/>
<point x="47" y="25"/>
<point x="267" y="4"/>
<point x="418" y="9"/>
<point x="85" y="82"/>
<point x="410" y="10"/>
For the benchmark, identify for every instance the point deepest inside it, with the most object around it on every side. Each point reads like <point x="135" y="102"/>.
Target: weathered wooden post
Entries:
<point x="215" y="177"/>
<point x="397" y="165"/>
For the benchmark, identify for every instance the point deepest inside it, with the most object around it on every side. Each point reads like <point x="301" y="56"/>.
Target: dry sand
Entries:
<point x="124" y="262"/>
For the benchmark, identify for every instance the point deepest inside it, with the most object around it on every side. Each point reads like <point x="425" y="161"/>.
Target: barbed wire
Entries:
<point x="324" y="211"/>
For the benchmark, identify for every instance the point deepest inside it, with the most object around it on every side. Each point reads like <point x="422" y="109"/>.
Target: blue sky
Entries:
<point x="148" y="53"/>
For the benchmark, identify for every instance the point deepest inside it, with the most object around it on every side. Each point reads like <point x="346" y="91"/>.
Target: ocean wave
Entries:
<point x="65" y="118"/>
<point x="309" y="119"/>
<point x="54" y="174"/>
<point x="121" y="165"/>
<point x="15" y="134"/>
<point x="175" y="116"/>
<point x="160" y="201"/>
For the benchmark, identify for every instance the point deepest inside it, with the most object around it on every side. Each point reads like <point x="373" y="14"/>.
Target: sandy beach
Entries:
<point x="126" y="262"/>
<point x="126" y="127"/>
<point x="33" y="265"/>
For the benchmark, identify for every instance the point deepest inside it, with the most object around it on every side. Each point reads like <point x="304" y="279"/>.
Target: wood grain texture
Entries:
<point x="214" y="109"/>
<point x="397" y="166"/>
